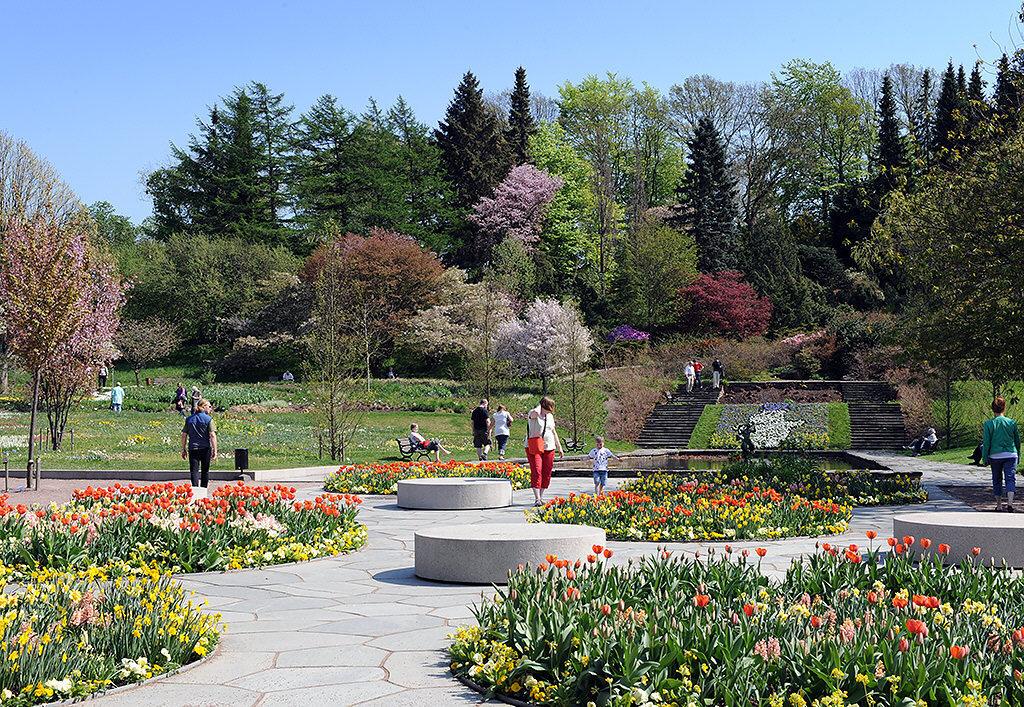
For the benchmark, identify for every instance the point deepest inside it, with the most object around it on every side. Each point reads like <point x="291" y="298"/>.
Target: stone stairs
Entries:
<point x="670" y="425"/>
<point x="876" y="425"/>
<point x="867" y="392"/>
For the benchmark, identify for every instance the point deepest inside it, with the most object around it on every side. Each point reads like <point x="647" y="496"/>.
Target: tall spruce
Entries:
<point x="322" y="172"/>
<point x="708" y="196"/>
<point x="891" y="154"/>
<point x="242" y="197"/>
<point x="1007" y="96"/>
<point x="948" y="118"/>
<point x="473" y="148"/>
<point x="273" y="135"/>
<point x="520" y="119"/>
<point x="975" y="104"/>
<point x="924" y="121"/>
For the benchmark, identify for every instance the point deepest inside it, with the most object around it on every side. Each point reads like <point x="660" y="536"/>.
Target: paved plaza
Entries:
<point x="362" y="629"/>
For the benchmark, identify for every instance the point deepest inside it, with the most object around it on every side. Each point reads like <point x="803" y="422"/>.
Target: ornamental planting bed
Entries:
<point x="780" y="425"/>
<point x="384" y="478"/>
<point x="846" y="626"/>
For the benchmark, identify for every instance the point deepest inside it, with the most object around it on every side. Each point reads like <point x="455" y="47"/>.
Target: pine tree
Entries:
<point x="322" y="165"/>
<point x="976" y="106"/>
<point x="520" y="119"/>
<point x="891" y="155"/>
<point x="708" y="196"/>
<point x="273" y="134"/>
<point x="948" y="119"/>
<point x="473" y="149"/>
<point x="1007" y="97"/>
<point x="924" y="121"/>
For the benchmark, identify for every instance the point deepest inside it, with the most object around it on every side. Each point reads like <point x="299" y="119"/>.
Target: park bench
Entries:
<point x="411" y="452"/>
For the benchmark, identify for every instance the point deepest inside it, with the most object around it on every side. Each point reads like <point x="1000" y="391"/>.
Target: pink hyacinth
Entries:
<point x="768" y="649"/>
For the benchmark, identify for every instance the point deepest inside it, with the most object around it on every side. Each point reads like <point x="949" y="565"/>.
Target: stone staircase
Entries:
<point x="670" y="425"/>
<point x="867" y="392"/>
<point x="876" y="425"/>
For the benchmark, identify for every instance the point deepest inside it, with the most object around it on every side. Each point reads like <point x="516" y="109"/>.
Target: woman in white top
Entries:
<point x="502" y="423"/>
<point x="541" y="442"/>
<point x="690" y="373"/>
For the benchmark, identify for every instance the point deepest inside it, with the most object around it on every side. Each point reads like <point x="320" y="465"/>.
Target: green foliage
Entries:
<point x="384" y="478"/>
<point x="520" y="119"/>
<point x="706" y="428"/>
<point x="839" y="425"/>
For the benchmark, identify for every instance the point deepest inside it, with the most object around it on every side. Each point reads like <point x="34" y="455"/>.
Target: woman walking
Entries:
<point x="199" y="443"/>
<point x="502" y="423"/>
<point x="1000" y="447"/>
<point x="541" y="442"/>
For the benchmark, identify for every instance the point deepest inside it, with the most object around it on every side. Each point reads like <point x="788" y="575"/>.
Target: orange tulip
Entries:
<point x="761" y="552"/>
<point x="943" y="549"/>
<point x="871" y="534"/>
<point x="926" y="543"/>
<point x="975" y="551"/>
<point x="701" y="600"/>
<point x="958" y="652"/>
<point x="917" y="627"/>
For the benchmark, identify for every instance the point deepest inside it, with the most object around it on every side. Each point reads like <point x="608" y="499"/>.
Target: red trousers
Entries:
<point x="540" y="468"/>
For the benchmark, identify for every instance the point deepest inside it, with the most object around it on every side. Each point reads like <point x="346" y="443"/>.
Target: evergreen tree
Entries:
<point x="274" y="139"/>
<point x="976" y="106"/>
<point x="708" y="196"/>
<point x="961" y="82"/>
<point x="924" y="121"/>
<point x="473" y="148"/>
<point x="241" y="203"/>
<point x="1007" y="97"/>
<point x="891" y="154"/>
<point x="770" y="263"/>
<point x="947" y="126"/>
<point x="520" y="119"/>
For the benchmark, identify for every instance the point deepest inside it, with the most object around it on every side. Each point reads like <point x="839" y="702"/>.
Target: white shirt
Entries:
<point x="600" y="455"/>
<point x="501" y="422"/>
<point x="689" y="371"/>
<point x="543" y="426"/>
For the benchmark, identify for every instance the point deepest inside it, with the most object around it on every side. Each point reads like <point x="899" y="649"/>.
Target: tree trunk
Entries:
<point x="5" y="367"/>
<point x="137" y="384"/>
<point x="32" y="426"/>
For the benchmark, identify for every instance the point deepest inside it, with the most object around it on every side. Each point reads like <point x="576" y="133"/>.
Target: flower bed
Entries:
<point x="384" y="478"/>
<point x="841" y="628"/>
<point x="783" y="425"/>
<point x="238" y="526"/>
<point x="70" y="634"/>
<point x="662" y="507"/>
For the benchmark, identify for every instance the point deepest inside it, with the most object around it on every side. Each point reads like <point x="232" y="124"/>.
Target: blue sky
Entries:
<point x="100" y="89"/>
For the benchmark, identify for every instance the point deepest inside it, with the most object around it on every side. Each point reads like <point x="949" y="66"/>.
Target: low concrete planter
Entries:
<point x="999" y="535"/>
<point x="485" y="553"/>
<point x="454" y="494"/>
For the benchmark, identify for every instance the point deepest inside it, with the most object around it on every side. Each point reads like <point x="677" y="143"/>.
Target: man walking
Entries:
<point x="103" y="376"/>
<point x="116" y="397"/>
<point x="199" y="443"/>
<point x="717" y="373"/>
<point x="481" y="418"/>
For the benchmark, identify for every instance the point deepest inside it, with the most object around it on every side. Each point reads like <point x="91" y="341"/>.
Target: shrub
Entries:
<point x="633" y="396"/>
<point x="724" y="303"/>
<point x="259" y="358"/>
<point x="750" y="359"/>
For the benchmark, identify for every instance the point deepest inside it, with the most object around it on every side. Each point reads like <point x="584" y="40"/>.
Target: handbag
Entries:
<point x="535" y="445"/>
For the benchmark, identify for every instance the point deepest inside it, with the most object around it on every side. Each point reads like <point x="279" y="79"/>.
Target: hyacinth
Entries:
<point x="624" y="332"/>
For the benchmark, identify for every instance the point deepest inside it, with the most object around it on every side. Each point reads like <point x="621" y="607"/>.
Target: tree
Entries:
<point x="723" y="303"/>
<point x="385" y="277"/>
<point x="273" y="136"/>
<point x="50" y="294"/>
<point x="771" y="264"/>
<point x="332" y="364"/>
<point x="144" y="341"/>
<point x="949" y="118"/>
<point x="708" y="196"/>
<point x="516" y="210"/>
<point x="473" y="148"/>
<point x="112" y="229"/>
<point x="923" y="129"/>
<point x="521" y="125"/>
<point x="652" y="164"/>
<point x="976" y="105"/>
<point x="655" y="264"/>
<point x="1007" y="97"/>
<point x="549" y="340"/>
<point x="891" y="152"/>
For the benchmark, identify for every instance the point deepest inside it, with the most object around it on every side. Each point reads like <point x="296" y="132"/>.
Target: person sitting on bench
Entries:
<point x="928" y="442"/>
<point x="431" y="445"/>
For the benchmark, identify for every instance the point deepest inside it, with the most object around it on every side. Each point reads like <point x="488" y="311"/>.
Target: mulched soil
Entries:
<point x="978" y="497"/>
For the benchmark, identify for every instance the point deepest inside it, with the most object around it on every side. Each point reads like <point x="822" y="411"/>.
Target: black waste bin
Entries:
<point x="241" y="459"/>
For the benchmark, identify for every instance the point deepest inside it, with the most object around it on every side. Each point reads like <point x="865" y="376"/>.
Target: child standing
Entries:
<point x="600" y="454"/>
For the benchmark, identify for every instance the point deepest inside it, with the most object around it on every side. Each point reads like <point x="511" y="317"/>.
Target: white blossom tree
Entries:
<point x="550" y="340"/>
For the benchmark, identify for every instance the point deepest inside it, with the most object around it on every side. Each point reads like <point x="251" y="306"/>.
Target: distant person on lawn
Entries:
<point x="116" y="397"/>
<point x="541" y="442"/>
<point x="600" y="454"/>
<point x="1000" y="447"/>
<point x="195" y="397"/>
<point x="199" y="443"/>
<point x="180" y="400"/>
<point x="431" y="445"/>
<point x="481" y="418"/>
<point x="691" y="374"/>
<point x="103" y="376"/>
<point x="287" y="377"/>
<point x="502" y="424"/>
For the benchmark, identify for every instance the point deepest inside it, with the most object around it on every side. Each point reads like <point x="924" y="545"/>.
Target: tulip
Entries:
<point x="891" y="541"/>
<point x="607" y="552"/>
<point x="903" y="646"/>
<point x="975" y="551"/>
<point x="606" y="610"/>
<point x="816" y="621"/>
<point x="761" y="552"/>
<point x="899" y="549"/>
<point x="926" y="543"/>
<point x="958" y="652"/>
<point x="749" y="609"/>
<point x="597" y="549"/>
<point x="943" y="549"/>
<point x="917" y="627"/>
<point x="871" y="534"/>
<point x="908" y="540"/>
<point x="701" y="600"/>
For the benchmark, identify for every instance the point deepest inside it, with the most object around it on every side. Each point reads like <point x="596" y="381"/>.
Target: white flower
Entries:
<point x="58" y="685"/>
<point x="166" y="654"/>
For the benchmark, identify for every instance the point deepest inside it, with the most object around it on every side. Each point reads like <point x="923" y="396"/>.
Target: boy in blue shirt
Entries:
<point x="600" y="454"/>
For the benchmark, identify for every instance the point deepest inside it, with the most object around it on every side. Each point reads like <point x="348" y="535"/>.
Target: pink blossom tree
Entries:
<point x="550" y="340"/>
<point x="517" y="208"/>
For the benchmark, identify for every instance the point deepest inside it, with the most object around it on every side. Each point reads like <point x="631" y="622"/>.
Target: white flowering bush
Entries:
<point x="776" y="425"/>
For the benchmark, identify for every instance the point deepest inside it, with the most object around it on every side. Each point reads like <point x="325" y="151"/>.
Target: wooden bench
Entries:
<point x="411" y="452"/>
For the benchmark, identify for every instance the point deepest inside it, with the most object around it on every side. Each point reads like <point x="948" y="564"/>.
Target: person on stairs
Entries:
<point x="691" y="375"/>
<point x="1000" y="448"/>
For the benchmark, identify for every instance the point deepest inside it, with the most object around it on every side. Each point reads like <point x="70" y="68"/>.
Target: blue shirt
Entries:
<point x="117" y="396"/>
<point x="199" y="427"/>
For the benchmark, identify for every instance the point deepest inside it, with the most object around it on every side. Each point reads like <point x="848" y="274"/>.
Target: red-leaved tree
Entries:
<point x="724" y="303"/>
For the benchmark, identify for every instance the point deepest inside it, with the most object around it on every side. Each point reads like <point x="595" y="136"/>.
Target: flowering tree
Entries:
<point x="725" y="303"/>
<point x="56" y="304"/>
<point x="549" y="340"/>
<point x="142" y="342"/>
<point x="517" y="208"/>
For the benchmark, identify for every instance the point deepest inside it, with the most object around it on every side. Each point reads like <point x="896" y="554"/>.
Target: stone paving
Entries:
<point x="362" y="629"/>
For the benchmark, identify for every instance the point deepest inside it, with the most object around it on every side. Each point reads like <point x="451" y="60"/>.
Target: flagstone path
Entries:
<point x="361" y="629"/>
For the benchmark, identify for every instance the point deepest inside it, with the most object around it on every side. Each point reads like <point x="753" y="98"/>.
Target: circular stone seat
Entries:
<point x="999" y="535"/>
<point x="454" y="494"/>
<point x="483" y="553"/>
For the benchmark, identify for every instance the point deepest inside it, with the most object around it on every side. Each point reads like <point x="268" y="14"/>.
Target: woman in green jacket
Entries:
<point x="1000" y="447"/>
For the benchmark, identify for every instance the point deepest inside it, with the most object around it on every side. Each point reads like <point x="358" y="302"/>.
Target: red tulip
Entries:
<point x="605" y="609"/>
<point x="908" y="540"/>
<point x="701" y="600"/>
<point x="926" y="543"/>
<point x="853" y="547"/>
<point x="591" y="558"/>
<point x="943" y="549"/>
<point x="816" y="621"/>
<point x="597" y="549"/>
<point x="891" y="541"/>
<point x="975" y="551"/>
<point x="917" y="628"/>
<point x="958" y="652"/>
<point x="607" y="552"/>
<point x="749" y="610"/>
<point x="871" y="534"/>
<point x="761" y="552"/>
<point x="898" y="549"/>
<point x="872" y="597"/>
<point x="903" y="646"/>
<point x="899" y="602"/>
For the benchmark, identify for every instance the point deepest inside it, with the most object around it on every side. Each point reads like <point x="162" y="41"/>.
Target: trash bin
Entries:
<point x="241" y="459"/>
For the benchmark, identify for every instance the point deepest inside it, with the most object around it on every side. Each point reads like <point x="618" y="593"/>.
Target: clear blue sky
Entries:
<point x="100" y="89"/>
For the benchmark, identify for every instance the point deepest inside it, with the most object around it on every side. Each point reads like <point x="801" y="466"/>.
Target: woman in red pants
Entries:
<point x="541" y="442"/>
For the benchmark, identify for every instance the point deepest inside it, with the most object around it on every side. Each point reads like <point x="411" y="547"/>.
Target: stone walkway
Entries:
<point x="362" y="629"/>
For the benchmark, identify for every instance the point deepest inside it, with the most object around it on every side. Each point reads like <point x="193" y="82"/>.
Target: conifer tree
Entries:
<point x="1007" y="97"/>
<point x="924" y="121"/>
<point x="273" y="134"/>
<point x="323" y="160"/>
<point x="473" y="148"/>
<point x="947" y="127"/>
<point x="520" y="119"/>
<point x="242" y="204"/>
<point x="975" y="104"/>
<point x="708" y="197"/>
<point x="891" y="155"/>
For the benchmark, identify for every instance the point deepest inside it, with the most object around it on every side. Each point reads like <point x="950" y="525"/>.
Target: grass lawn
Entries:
<point x="955" y="455"/>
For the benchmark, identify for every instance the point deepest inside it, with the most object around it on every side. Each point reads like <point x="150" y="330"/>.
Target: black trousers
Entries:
<point x="199" y="466"/>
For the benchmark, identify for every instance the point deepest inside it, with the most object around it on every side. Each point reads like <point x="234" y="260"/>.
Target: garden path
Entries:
<point x="362" y="629"/>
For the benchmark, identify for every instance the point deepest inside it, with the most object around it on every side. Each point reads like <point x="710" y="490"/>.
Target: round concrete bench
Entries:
<point x="454" y="494"/>
<point x="483" y="553"/>
<point x="999" y="535"/>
